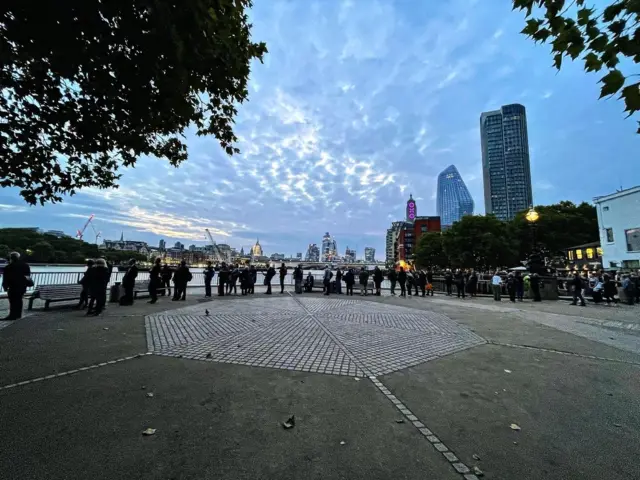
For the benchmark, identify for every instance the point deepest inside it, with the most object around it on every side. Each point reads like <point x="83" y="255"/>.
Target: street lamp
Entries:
<point x="532" y="217"/>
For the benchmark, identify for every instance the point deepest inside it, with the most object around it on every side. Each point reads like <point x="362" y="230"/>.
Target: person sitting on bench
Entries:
<point x="308" y="283"/>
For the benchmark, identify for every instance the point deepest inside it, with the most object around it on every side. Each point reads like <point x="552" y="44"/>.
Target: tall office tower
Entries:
<point x="313" y="253"/>
<point x="505" y="161"/>
<point x="369" y="254"/>
<point x="454" y="200"/>
<point x="329" y="248"/>
<point x="162" y="245"/>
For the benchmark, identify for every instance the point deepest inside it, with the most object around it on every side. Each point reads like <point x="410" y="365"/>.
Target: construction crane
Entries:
<point x="80" y="233"/>
<point x="96" y="232"/>
<point x="218" y="256"/>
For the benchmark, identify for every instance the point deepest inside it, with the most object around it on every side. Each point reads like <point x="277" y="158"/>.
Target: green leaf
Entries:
<point x="532" y="27"/>
<point x="617" y="27"/>
<point x="584" y="15"/>
<point x="611" y="83"/>
<point x="592" y="63"/>
<point x="610" y="56"/>
<point x="631" y="96"/>
<point x="612" y="11"/>
<point x="557" y="60"/>
<point x="600" y="43"/>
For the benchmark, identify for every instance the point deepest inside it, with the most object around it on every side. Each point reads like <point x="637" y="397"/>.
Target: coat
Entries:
<point x="130" y="277"/>
<point x="182" y="275"/>
<point x="402" y="277"/>
<point x="98" y="280"/>
<point x="364" y="277"/>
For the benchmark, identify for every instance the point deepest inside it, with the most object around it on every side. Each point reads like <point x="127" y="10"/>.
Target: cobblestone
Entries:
<point x="323" y="335"/>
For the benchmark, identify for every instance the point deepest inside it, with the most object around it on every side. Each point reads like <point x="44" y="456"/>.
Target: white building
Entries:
<point x="619" y="225"/>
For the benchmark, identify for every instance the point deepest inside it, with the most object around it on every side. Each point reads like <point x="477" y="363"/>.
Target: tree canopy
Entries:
<point x="606" y="39"/>
<point x="89" y="86"/>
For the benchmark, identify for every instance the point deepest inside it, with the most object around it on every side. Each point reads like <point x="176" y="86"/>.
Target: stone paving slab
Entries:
<point x="213" y="421"/>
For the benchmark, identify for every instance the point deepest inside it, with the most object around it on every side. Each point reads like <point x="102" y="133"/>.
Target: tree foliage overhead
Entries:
<point x="606" y="39"/>
<point x="89" y="86"/>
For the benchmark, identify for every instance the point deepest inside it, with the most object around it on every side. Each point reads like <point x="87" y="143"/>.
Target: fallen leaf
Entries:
<point x="476" y="456"/>
<point x="507" y="371"/>
<point x="149" y="431"/>
<point x="478" y="472"/>
<point x="106" y="328"/>
<point x="343" y="442"/>
<point x="515" y="427"/>
<point x="400" y="421"/>
<point x="617" y="425"/>
<point x="290" y="423"/>
<point x="149" y="394"/>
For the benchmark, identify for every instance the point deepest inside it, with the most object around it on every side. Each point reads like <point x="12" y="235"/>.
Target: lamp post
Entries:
<point x="532" y="217"/>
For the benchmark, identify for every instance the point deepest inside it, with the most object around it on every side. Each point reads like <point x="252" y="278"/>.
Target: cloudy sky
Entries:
<point x="358" y="104"/>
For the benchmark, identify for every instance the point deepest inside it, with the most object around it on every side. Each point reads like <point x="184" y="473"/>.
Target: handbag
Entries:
<point x="29" y="281"/>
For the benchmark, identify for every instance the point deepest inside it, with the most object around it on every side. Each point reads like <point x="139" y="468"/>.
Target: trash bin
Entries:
<point x="115" y="293"/>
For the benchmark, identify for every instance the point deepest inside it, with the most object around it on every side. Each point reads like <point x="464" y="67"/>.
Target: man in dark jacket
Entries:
<point x="364" y="279"/>
<point x="577" y="283"/>
<point x="377" y="280"/>
<point x="519" y="287"/>
<point x="283" y="275"/>
<point x="223" y="278"/>
<point x="339" y="281"/>
<point x="448" y="281"/>
<point x="128" y="283"/>
<point x="393" y="278"/>
<point x="154" y="280"/>
<point x="271" y="272"/>
<point x="99" y="279"/>
<point x="422" y="282"/>
<point x="84" y="281"/>
<point x="402" y="280"/>
<point x="511" y="287"/>
<point x="167" y="273"/>
<point x="254" y="278"/>
<point x="349" y="280"/>
<point x="460" y="283"/>
<point x="180" y="280"/>
<point x="298" y="275"/>
<point x="209" y="272"/>
<point x="15" y="280"/>
<point x="535" y="287"/>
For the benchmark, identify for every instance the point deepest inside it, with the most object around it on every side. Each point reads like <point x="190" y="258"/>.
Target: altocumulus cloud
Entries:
<point x="358" y="104"/>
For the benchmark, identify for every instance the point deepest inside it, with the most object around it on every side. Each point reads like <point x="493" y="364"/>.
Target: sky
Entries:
<point x="358" y="104"/>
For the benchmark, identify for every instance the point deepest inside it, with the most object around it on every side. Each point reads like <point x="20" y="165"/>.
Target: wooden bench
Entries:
<point x="140" y="286"/>
<point x="56" y="293"/>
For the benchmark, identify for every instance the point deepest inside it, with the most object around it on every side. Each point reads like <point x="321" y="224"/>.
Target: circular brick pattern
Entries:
<point x="324" y="335"/>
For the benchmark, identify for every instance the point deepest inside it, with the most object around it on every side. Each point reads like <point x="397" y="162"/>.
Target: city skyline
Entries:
<point x="395" y="106"/>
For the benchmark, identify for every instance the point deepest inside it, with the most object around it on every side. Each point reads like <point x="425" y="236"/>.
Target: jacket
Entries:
<point x="393" y="276"/>
<point x="402" y="277"/>
<point x="377" y="275"/>
<point x="130" y="277"/>
<point x="98" y="280"/>
<point x="364" y="277"/>
<point x="209" y="273"/>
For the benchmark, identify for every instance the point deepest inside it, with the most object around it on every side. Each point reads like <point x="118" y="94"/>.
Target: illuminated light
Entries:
<point x="532" y="216"/>
<point x="411" y="209"/>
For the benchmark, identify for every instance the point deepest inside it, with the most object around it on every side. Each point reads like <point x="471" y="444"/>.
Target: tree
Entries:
<point x="480" y="242"/>
<point x="429" y="251"/>
<point x="4" y="251"/>
<point x="89" y="86"/>
<point x="42" y="252"/>
<point x="607" y="40"/>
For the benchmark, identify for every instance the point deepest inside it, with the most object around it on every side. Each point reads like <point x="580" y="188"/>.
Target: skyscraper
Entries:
<point x="162" y="245"/>
<point x="369" y="254"/>
<point x="349" y="255"/>
<point x="329" y="248"/>
<point x="313" y="253"/>
<point x="505" y="161"/>
<point x="454" y="200"/>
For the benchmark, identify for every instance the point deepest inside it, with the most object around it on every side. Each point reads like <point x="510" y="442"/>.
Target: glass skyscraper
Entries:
<point x="454" y="200"/>
<point x="505" y="161"/>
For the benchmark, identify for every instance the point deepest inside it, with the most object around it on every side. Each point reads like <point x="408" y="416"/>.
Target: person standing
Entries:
<point x="298" y="275"/>
<point x="460" y="283"/>
<point x="416" y="281"/>
<point x="402" y="280"/>
<point x="473" y="283"/>
<point x="128" y="283"/>
<point x="166" y="280"/>
<point x="409" y="282"/>
<point x="245" y="280"/>
<point x="496" y="286"/>
<point x="610" y="290"/>
<point x="576" y="284"/>
<point x="209" y="273"/>
<point x="283" y="275"/>
<point x="637" y="282"/>
<point x="377" y="280"/>
<point x="430" y="282"/>
<point x="535" y="287"/>
<point x="364" y="279"/>
<point x="181" y="278"/>
<point x="326" y="280"/>
<point x="15" y="280"/>
<point x="254" y="279"/>
<point x="448" y="281"/>
<point x="511" y="287"/>
<point x="223" y="277"/>
<point x="84" y="281"/>
<point x="519" y="287"/>
<point x="271" y="272"/>
<point x="393" y="278"/>
<point x="422" y="281"/>
<point x="628" y="287"/>
<point x="349" y="280"/>
<point x="339" y="281"/>
<point x="155" y="280"/>
<point x="99" y="280"/>
<point x="233" y="279"/>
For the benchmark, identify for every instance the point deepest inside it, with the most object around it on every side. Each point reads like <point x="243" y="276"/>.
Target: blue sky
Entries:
<point x="358" y="104"/>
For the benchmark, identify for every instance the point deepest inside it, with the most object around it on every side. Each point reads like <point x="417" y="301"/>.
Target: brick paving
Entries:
<point x="323" y="335"/>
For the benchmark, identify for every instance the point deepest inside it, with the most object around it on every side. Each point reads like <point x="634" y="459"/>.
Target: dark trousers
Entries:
<point x="577" y="294"/>
<point x="378" y="285"/>
<point x="252" y="287"/>
<point x="207" y="288"/>
<point x="520" y="292"/>
<point x="127" y="298"/>
<point x="101" y="300"/>
<point x="536" y="293"/>
<point x="403" y="291"/>
<point x="220" y="288"/>
<point x="327" y="287"/>
<point x="350" y="289"/>
<point x="393" y="287"/>
<point x="153" y="291"/>
<point x="84" y="298"/>
<point x="512" y="293"/>
<point x="180" y="291"/>
<point x="415" y="286"/>
<point x="166" y="287"/>
<point x="423" y="289"/>
<point x="473" y="287"/>
<point x="449" y="288"/>
<point x="339" y="286"/>
<point x="281" y="284"/>
<point x="460" y="288"/>
<point x="15" y="304"/>
<point x="268" y="288"/>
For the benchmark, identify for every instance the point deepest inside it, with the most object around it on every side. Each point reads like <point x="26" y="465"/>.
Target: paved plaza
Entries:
<point x="380" y="388"/>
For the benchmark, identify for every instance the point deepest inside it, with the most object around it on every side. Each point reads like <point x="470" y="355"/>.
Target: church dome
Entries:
<point x="256" y="250"/>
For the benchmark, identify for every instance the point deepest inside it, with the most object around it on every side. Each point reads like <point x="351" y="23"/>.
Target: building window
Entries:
<point x="609" y="235"/>
<point x="606" y="209"/>
<point x="633" y="239"/>
<point x="590" y="253"/>
<point x="579" y="254"/>
<point x="613" y="264"/>
<point x="570" y="254"/>
<point x="423" y="228"/>
<point x="599" y="251"/>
